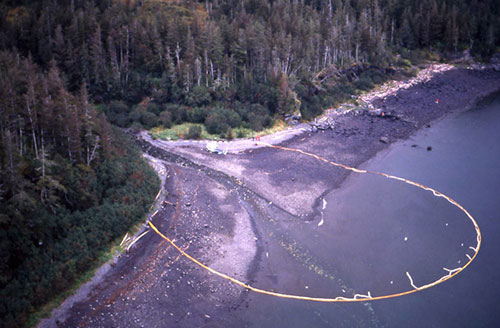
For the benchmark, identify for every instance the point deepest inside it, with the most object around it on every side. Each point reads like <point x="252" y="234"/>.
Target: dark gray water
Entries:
<point x="375" y="230"/>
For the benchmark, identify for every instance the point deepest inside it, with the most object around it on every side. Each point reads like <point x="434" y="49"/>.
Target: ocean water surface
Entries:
<point x="377" y="232"/>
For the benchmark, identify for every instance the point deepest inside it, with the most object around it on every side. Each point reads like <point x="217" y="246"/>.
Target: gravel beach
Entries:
<point x="220" y="208"/>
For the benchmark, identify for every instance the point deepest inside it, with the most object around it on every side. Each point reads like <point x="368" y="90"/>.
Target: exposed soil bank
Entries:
<point x="218" y="207"/>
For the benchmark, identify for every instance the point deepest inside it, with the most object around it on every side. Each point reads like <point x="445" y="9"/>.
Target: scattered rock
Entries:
<point x="188" y="204"/>
<point x="293" y="119"/>
<point x="384" y="139"/>
<point x="316" y="126"/>
<point x="388" y="115"/>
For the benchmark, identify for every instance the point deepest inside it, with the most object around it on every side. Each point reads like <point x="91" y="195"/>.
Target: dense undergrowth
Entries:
<point x="70" y="183"/>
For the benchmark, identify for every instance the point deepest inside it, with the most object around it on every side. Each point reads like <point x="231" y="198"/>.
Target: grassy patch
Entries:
<point x="277" y="126"/>
<point x="180" y="131"/>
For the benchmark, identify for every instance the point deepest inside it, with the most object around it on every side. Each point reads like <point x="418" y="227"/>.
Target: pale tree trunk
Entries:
<point x="32" y="128"/>
<point x="8" y="137"/>
<point x="20" y="138"/>
<point x="392" y="32"/>
<point x="127" y="55"/>
<point x="43" y="155"/>
<point x="68" y="132"/>
<point x="206" y="68"/>
<point x="92" y="155"/>
<point x="177" y="56"/>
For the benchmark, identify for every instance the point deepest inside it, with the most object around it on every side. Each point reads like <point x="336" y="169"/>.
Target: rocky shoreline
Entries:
<point x="221" y="208"/>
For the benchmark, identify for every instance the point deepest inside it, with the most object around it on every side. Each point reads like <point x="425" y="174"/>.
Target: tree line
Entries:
<point x="70" y="183"/>
<point x="166" y="62"/>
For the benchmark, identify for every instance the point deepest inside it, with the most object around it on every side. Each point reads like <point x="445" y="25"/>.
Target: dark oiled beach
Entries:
<point x="256" y="215"/>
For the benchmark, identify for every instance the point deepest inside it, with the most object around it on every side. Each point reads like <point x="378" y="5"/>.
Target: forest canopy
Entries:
<point x="70" y="183"/>
<point x="158" y="63"/>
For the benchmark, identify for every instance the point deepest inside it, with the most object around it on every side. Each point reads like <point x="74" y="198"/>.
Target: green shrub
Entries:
<point x="311" y="107"/>
<point x="165" y="119"/>
<point x="136" y="114"/>
<point x="117" y="113"/>
<point x="256" y="116"/>
<point x="220" y="119"/>
<point x="230" y="134"/>
<point x="404" y="63"/>
<point x="364" y="83"/>
<point x="154" y="108"/>
<point x="121" y="119"/>
<point x="216" y="124"/>
<point x="194" y="132"/>
<point x="233" y="118"/>
<point x="118" y="107"/>
<point x="197" y="114"/>
<point x="375" y="75"/>
<point x="149" y="120"/>
<point x="178" y="112"/>
<point x="199" y="96"/>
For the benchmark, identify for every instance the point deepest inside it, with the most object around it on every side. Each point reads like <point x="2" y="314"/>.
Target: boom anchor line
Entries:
<point x="357" y="297"/>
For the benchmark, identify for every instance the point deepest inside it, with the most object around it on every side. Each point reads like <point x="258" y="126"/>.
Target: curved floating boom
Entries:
<point x="357" y="297"/>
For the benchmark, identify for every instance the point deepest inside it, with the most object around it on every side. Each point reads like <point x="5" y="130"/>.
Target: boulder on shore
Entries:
<point x="384" y="139"/>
